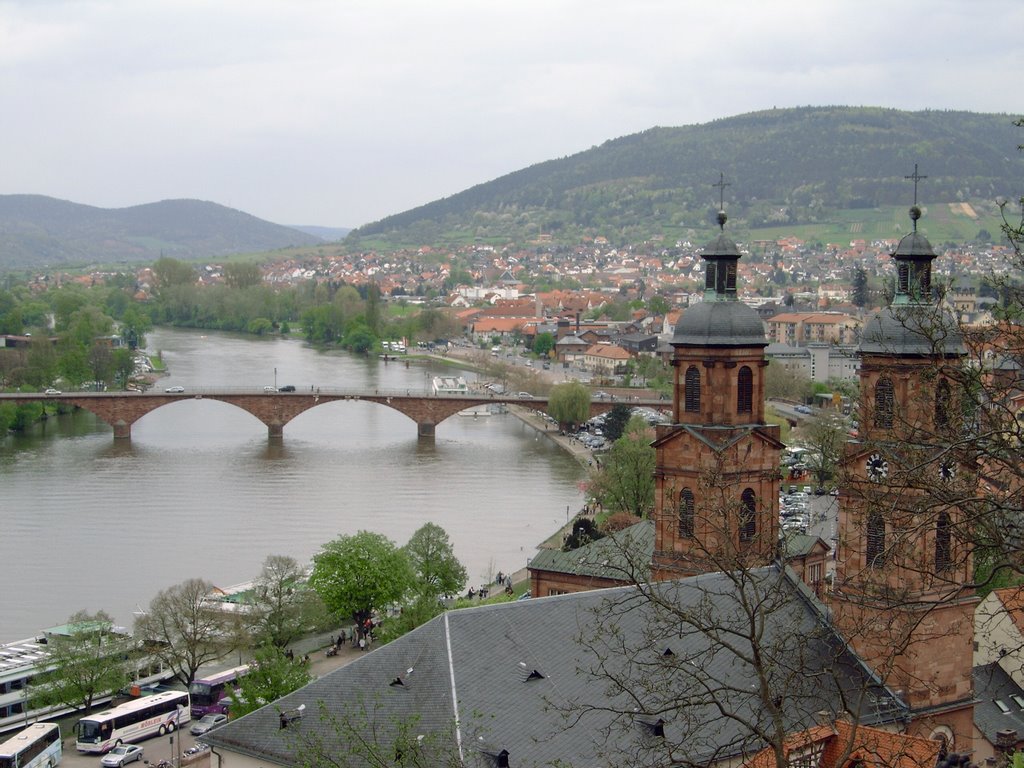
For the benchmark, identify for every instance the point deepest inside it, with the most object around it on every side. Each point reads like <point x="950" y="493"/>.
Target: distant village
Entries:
<point x="802" y="291"/>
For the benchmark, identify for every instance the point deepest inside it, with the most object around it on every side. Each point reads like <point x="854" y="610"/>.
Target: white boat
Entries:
<point x="24" y="660"/>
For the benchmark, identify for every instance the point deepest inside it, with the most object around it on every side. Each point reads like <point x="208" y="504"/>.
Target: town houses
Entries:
<point x="693" y="638"/>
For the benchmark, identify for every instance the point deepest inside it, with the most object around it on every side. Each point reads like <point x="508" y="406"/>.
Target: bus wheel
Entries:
<point x="162" y="731"/>
<point x="170" y="725"/>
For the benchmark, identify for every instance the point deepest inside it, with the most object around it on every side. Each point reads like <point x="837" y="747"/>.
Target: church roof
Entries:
<point x="721" y="324"/>
<point x="624" y="556"/>
<point x="498" y="678"/>
<point x="912" y="329"/>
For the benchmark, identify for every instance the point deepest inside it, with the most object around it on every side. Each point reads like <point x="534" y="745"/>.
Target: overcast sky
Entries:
<point x="340" y="112"/>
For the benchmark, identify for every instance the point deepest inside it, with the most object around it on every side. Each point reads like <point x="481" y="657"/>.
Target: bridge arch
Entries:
<point x="275" y="409"/>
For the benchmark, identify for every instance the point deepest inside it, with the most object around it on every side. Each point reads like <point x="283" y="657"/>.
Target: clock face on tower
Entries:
<point x="877" y="467"/>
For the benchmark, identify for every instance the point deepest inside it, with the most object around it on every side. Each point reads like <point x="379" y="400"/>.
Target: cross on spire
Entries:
<point x="722" y="184"/>
<point x="916" y="177"/>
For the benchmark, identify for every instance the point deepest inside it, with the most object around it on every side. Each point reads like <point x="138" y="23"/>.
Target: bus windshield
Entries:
<point x="201" y="693"/>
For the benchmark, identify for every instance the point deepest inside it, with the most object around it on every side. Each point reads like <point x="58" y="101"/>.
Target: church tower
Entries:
<point x="717" y="463"/>
<point x="898" y="595"/>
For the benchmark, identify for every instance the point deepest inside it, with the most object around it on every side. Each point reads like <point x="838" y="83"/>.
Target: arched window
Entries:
<point x="745" y="391"/>
<point x="691" y="400"/>
<point x="883" y="403"/>
<point x="748" y="515"/>
<point x="686" y="514"/>
<point x="876" y="540"/>
<point x="943" y="543"/>
<point x="942" y="404"/>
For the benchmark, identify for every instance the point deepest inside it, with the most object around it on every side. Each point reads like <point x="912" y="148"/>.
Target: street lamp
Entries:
<point x="275" y="378"/>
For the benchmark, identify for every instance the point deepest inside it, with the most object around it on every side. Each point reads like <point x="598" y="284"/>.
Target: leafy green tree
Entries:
<point x="544" y="343"/>
<point x="825" y="436"/>
<point x="359" y="339"/>
<point x="134" y="326"/>
<point x="658" y="305"/>
<point x="625" y="480"/>
<point x="89" y="661"/>
<point x="271" y="675"/>
<point x="569" y="404"/>
<point x="123" y="366"/>
<point x="169" y="273"/>
<point x="359" y="574"/>
<point x="788" y="384"/>
<point x="283" y="606"/>
<point x="259" y="326"/>
<point x="421" y="610"/>
<point x="437" y="570"/>
<point x="183" y="629"/>
<point x="860" y="287"/>
<point x="242" y="275"/>
<point x="615" y="421"/>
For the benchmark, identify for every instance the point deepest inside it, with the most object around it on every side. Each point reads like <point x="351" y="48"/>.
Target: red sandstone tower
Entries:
<point x="898" y="595"/>
<point x="717" y="465"/>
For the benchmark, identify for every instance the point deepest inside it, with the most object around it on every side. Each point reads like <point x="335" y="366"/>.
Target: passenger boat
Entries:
<point x="22" y="661"/>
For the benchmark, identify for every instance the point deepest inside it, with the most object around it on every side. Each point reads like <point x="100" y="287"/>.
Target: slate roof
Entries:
<point x="913" y="329"/>
<point x="624" y="555"/>
<point x="467" y="676"/>
<point x="991" y="684"/>
<point x="719" y="324"/>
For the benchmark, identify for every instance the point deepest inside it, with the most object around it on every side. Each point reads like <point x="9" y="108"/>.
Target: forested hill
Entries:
<point x="784" y="167"/>
<point x="42" y="231"/>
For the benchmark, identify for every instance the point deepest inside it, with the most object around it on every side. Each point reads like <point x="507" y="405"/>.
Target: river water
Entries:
<point x="87" y="523"/>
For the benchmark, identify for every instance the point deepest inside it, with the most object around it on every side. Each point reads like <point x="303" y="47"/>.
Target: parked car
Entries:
<point x="286" y="388"/>
<point x="207" y="723"/>
<point x="175" y="390"/>
<point x="121" y="755"/>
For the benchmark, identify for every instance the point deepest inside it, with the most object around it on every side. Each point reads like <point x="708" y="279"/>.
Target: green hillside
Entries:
<point x="825" y="173"/>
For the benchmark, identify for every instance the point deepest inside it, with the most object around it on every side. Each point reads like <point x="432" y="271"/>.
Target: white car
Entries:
<point x="121" y="755"/>
<point x="268" y="388"/>
<point x="175" y="390"/>
<point x="51" y="391"/>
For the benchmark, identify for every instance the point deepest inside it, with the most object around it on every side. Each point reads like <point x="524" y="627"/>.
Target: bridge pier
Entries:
<point x="122" y="430"/>
<point x="424" y="429"/>
<point x="275" y="431"/>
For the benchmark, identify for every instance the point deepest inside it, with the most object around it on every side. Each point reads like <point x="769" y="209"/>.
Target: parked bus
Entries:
<point x="133" y="721"/>
<point x="209" y="694"/>
<point x="38" y="746"/>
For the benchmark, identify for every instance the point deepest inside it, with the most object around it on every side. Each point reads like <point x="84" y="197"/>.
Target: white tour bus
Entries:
<point x="133" y="721"/>
<point x="38" y="746"/>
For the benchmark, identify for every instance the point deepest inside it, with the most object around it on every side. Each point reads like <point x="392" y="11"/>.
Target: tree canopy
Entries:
<point x="90" y="660"/>
<point x="569" y="404"/>
<point x="437" y="571"/>
<point x="359" y="574"/>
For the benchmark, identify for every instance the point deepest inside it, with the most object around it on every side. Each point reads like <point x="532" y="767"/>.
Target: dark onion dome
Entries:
<point x="912" y="329"/>
<point x="721" y="320"/>
<point x="719" y="324"/>
<point x="914" y="324"/>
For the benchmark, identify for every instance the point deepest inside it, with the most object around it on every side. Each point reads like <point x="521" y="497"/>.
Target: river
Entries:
<point x="90" y="523"/>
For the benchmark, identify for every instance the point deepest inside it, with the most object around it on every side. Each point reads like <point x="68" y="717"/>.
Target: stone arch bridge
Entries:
<point x="275" y="409"/>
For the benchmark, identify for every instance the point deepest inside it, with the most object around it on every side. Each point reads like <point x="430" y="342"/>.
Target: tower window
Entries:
<point x="884" y="403"/>
<point x="903" y="277"/>
<point x="691" y="399"/>
<point x="686" y="514"/>
<point x="942" y="397"/>
<point x="876" y="540"/>
<point x="748" y="515"/>
<point x="745" y="391"/>
<point x="943" y="543"/>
